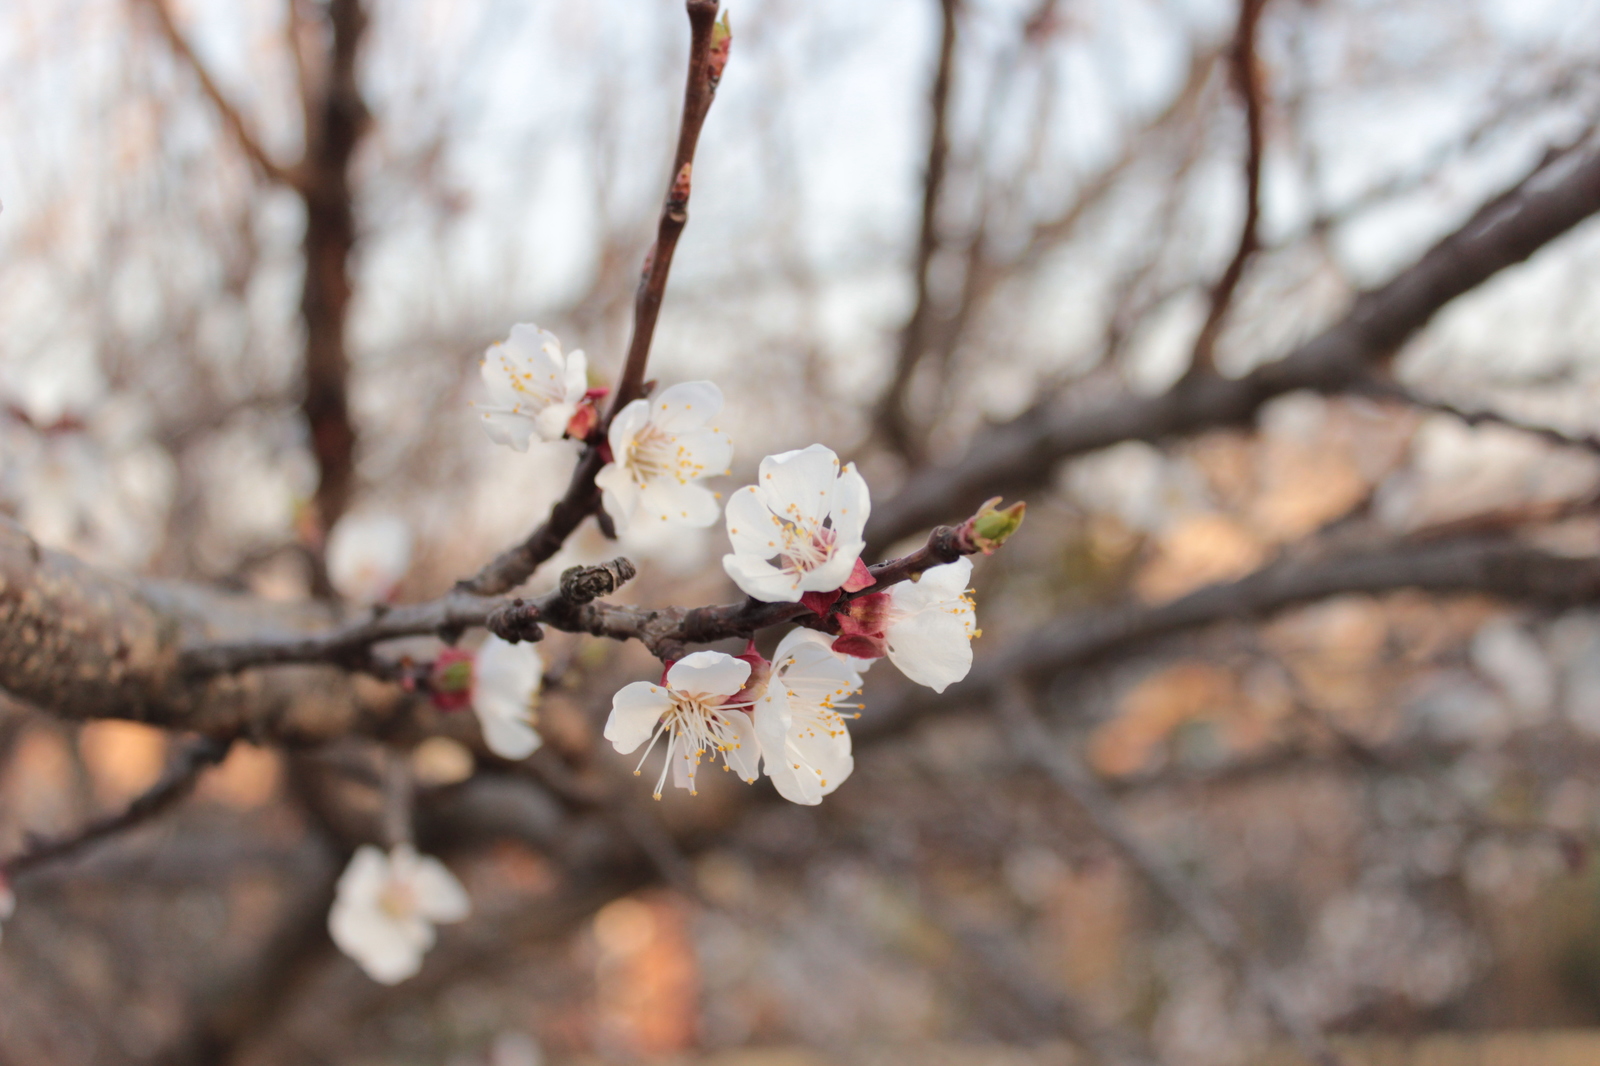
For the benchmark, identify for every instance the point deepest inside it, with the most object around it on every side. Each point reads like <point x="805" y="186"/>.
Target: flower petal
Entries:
<point x="675" y="504"/>
<point x="752" y="528"/>
<point x="577" y="376"/>
<point x="509" y="428"/>
<point x="440" y="896"/>
<point x="708" y="673"/>
<point x="759" y="578"/>
<point x="506" y="678"/>
<point x="852" y="504"/>
<point x="705" y="452"/>
<point x="933" y="646"/>
<point x="635" y="711"/>
<point x="626" y="426"/>
<point x="798" y="485"/>
<point x="619" y="495"/>
<point x="686" y="406"/>
<point x="745" y="754"/>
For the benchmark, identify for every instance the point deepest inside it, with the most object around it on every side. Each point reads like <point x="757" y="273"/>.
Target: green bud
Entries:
<point x="991" y="527"/>
<point x="454" y="677"/>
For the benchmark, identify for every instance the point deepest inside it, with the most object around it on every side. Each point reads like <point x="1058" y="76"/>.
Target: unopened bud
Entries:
<point x="991" y="527"/>
<point x="450" y="682"/>
<point x="585" y="419"/>
<point x="678" y="195"/>
<point x="721" y="45"/>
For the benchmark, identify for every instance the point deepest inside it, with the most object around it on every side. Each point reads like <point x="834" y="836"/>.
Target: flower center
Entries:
<point x="398" y="900"/>
<point x="654" y="453"/>
<point x="695" y="725"/>
<point x="805" y="549"/>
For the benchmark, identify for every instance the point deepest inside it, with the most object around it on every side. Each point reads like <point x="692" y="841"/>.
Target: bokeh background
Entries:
<point x="1393" y="795"/>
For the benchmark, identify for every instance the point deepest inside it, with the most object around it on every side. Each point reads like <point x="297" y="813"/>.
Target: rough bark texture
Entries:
<point x="83" y="644"/>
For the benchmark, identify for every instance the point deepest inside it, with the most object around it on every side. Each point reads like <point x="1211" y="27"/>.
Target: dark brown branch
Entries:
<point x="570" y="608"/>
<point x="1035" y="745"/>
<point x="330" y="238"/>
<point x="231" y="117"/>
<point x="1020" y="455"/>
<point x="697" y="96"/>
<point x="516" y="564"/>
<point x="176" y="783"/>
<point x="1393" y="390"/>
<point x="1494" y="566"/>
<point x="894" y="419"/>
<point x="1247" y="81"/>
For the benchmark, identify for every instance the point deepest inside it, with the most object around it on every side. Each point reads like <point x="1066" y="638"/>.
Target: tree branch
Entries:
<point x="1247" y="81"/>
<point x="330" y="238"/>
<point x="231" y="117"/>
<point x="569" y="607"/>
<point x="1493" y="566"/>
<point x="516" y="564"/>
<point x="1020" y="455"/>
<point x="176" y="783"/>
<point x="1393" y="390"/>
<point x="894" y="419"/>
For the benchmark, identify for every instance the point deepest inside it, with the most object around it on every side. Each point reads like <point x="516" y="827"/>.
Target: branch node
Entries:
<point x="516" y="621"/>
<point x="585" y="584"/>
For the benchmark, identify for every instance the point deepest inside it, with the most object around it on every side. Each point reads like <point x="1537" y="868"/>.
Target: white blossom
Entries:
<point x="368" y="553"/>
<point x="386" y="907"/>
<point x="533" y="387"/>
<point x="505" y="683"/>
<point x="931" y="623"/>
<point x="807" y="512"/>
<point x="695" y="710"/>
<point x="805" y="747"/>
<point x="660" y="449"/>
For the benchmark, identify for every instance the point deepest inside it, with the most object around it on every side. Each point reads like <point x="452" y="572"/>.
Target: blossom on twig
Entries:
<point x="386" y="907"/>
<point x="368" y="553"/>
<point x="533" y="387"/>
<point x="925" y="626"/>
<point x="660" y="449"/>
<point x="805" y="746"/>
<point x="695" y="709"/>
<point x="806" y="511"/>
<point x="505" y="683"/>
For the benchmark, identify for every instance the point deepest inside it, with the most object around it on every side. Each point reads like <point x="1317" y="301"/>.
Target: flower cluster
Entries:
<point x="657" y="451"/>
<point x="500" y="682"/>
<point x="797" y="536"/>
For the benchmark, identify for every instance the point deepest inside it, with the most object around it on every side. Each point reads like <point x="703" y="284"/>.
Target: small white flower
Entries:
<point x="386" y="907"/>
<point x="368" y="554"/>
<point x="8" y="903"/>
<point x="930" y="625"/>
<point x="660" y="450"/>
<point x="533" y="387"/>
<point x="694" y="709"/>
<point x="804" y="510"/>
<point x="505" y="681"/>
<point x="805" y="746"/>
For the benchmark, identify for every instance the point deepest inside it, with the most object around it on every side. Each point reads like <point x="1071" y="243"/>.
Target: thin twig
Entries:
<point x="1393" y="390"/>
<point x="697" y="96"/>
<point x="231" y="116"/>
<point x="1034" y="744"/>
<point x="1247" y="81"/>
<point x="570" y="608"/>
<point x="894" y="418"/>
<point x="176" y="783"/>
<point x="516" y="564"/>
